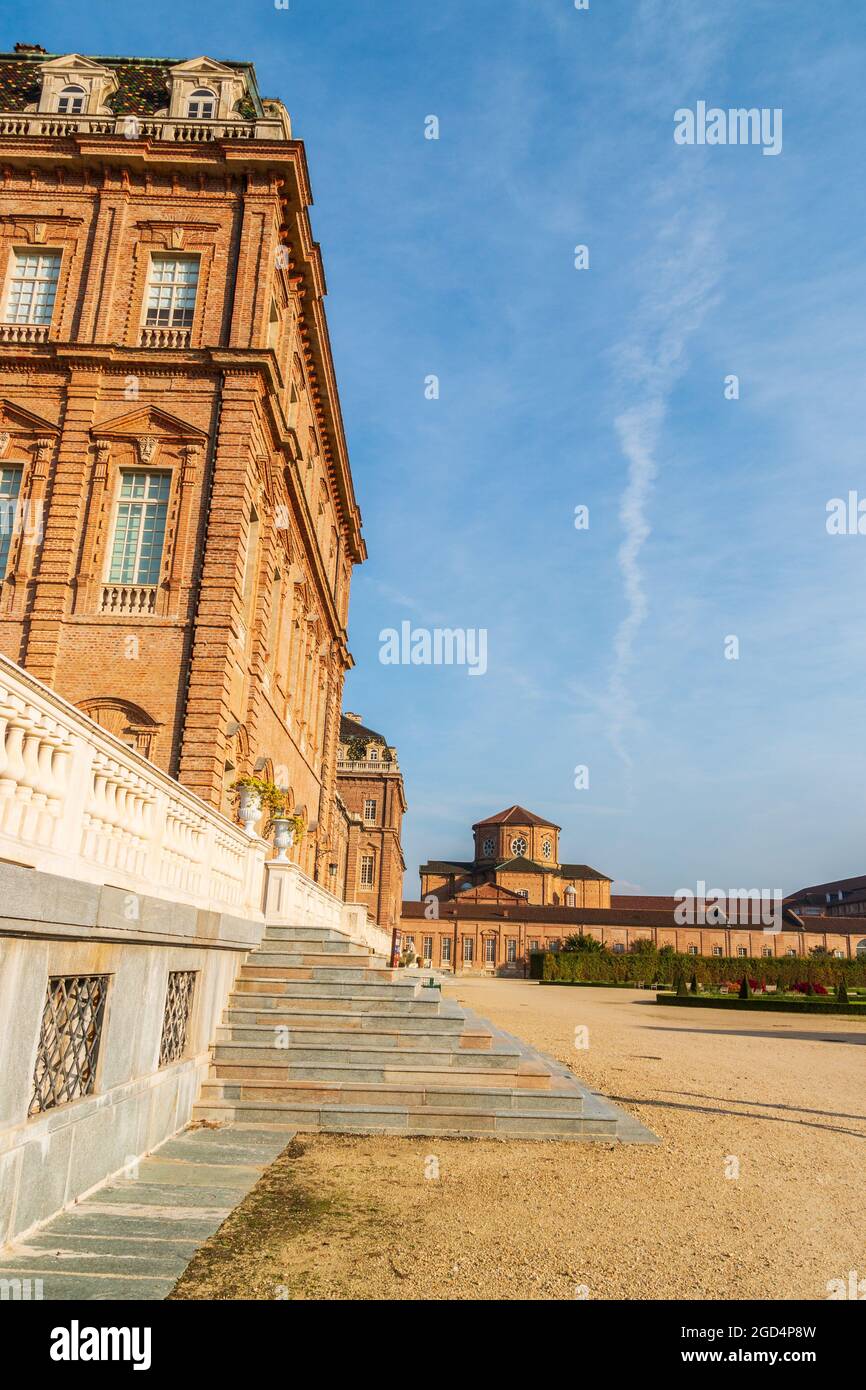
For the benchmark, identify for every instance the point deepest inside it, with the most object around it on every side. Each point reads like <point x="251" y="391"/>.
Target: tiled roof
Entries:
<point x="142" y="84"/>
<point x="350" y="728"/>
<point x="583" y="871"/>
<point x="446" y="866"/>
<point x="834" y="888"/>
<point x="515" y="815"/>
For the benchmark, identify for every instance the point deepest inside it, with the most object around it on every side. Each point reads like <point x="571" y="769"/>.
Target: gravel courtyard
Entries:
<point x="781" y="1099"/>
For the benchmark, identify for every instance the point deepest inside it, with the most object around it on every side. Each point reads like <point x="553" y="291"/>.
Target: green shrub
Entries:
<point x="664" y="967"/>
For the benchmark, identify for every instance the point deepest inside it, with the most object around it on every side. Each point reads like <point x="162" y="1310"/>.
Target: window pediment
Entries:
<point x="61" y="75"/>
<point x="187" y="80"/>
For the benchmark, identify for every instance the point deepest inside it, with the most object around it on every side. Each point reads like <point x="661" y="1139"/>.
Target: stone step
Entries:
<point x="267" y="1053"/>
<point x="330" y="1020"/>
<point x="410" y="1090"/>
<point x="253" y="1033"/>
<point x="346" y="950"/>
<point x="306" y="934"/>
<point x="348" y="1003"/>
<point x="323" y="974"/>
<point x="324" y="989"/>
<point x="342" y="960"/>
<point x="432" y="1120"/>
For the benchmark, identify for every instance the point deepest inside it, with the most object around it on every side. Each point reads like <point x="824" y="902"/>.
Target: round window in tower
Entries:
<point x="547" y="849"/>
<point x="518" y="846"/>
<point x="488" y="848"/>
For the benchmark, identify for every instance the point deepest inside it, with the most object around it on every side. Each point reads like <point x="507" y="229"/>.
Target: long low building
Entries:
<point x="497" y="937"/>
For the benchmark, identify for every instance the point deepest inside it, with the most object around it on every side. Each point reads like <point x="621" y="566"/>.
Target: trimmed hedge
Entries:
<point x="806" y="1005"/>
<point x="585" y="967"/>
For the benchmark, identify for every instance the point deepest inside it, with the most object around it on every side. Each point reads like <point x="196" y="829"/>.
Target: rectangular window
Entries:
<point x="742" y="951"/>
<point x="534" y="944"/>
<point x="765" y="951"/>
<point x="32" y="286"/>
<point x="139" y="528"/>
<point x="490" y="950"/>
<point x="446" y="950"/>
<point x="175" y="1022"/>
<point x="10" y="486"/>
<point x="468" y="948"/>
<point x="511" y="950"/>
<point x="427" y="951"/>
<point x="171" y="291"/>
<point x="69" y="1040"/>
<point x="367" y="866"/>
<point x="369" y="810"/>
<point x="693" y="950"/>
<point x="717" y="950"/>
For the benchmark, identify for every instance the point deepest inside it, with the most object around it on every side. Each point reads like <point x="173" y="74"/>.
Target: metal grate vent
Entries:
<point x="68" y="1040"/>
<point x="178" y="1005"/>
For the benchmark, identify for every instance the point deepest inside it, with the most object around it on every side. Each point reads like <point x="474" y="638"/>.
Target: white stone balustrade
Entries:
<point x="75" y="800"/>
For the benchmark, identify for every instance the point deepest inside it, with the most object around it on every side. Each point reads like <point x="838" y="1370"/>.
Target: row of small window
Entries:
<point x="32" y="289"/>
<point x="467" y="945"/>
<point x="201" y="105"/>
<point x="138" y="538"/>
<point x="70" y="1034"/>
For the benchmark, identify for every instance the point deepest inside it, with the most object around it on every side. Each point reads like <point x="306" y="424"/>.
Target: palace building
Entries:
<point x="179" y="518"/>
<point x="490" y="913"/>
<point x="518" y="852"/>
<point x="370" y="784"/>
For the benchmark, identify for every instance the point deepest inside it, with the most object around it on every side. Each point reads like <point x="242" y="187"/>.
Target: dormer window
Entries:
<point x="202" y="105"/>
<point x="71" y="101"/>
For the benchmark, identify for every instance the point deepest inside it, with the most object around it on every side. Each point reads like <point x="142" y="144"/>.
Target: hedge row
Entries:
<point x="656" y="967"/>
<point x="807" y="1005"/>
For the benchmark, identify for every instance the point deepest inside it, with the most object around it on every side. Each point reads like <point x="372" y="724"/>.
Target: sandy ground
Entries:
<point x="781" y="1101"/>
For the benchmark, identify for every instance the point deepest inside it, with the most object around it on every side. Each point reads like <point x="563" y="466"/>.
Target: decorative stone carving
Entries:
<point x="147" y="447"/>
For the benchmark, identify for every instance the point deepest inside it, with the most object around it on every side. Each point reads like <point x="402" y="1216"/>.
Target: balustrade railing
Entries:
<point x="75" y="800"/>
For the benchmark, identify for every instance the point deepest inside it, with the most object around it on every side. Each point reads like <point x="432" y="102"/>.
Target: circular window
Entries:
<point x="488" y="848"/>
<point x="518" y="846"/>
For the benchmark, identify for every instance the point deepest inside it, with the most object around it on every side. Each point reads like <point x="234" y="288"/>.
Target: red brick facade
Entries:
<point x="231" y="658"/>
<point x="371" y="786"/>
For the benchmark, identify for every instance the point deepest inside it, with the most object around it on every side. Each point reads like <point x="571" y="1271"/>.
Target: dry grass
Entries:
<point x="356" y="1218"/>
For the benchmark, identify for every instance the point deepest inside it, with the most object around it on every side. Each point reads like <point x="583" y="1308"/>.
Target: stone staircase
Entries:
<point x="321" y="1035"/>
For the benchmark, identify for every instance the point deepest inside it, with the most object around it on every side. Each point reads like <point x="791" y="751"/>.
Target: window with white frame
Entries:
<point x="717" y="950"/>
<point x="368" y="865"/>
<point x="427" y="948"/>
<point x="765" y="951"/>
<point x="139" y="528"/>
<point x="202" y="105"/>
<point x="32" y="286"/>
<point x="171" y="291"/>
<point x="71" y="101"/>
<point x="490" y="950"/>
<point x="693" y="950"/>
<point x="742" y="951"/>
<point x="446" y="950"/>
<point x="369" y="809"/>
<point x="468" y="948"/>
<point x="373" y="756"/>
<point x="10" y="486"/>
<point x="511" y="950"/>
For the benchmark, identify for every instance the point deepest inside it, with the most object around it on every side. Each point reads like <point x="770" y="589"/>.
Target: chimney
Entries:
<point x="30" y="48"/>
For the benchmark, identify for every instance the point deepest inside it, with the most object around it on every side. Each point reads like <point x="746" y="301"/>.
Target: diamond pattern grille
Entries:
<point x="178" y="1005"/>
<point x="68" y="1040"/>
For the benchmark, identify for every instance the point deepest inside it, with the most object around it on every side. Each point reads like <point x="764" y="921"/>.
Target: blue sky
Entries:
<point x="601" y="387"/>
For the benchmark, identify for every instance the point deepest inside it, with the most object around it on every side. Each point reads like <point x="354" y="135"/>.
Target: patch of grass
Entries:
<point x="260" y="1250"/>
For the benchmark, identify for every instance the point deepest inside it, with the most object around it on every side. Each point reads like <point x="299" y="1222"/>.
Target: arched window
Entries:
<point x="71" y="101"/>
<point x="861" y="947"/>
<point x="202" y="105"/>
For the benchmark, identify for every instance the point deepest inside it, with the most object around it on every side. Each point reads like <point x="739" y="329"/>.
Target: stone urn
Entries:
<point x="284" y="838"/>
<point x="249" y="808"/>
